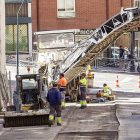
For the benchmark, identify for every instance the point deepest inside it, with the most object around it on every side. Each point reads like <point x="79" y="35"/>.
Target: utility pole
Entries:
<point x="17" y="53"/>
<point x="132" y="68"/>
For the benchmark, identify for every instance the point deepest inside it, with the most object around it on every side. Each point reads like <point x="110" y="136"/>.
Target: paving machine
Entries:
<point x="31" y="104"/>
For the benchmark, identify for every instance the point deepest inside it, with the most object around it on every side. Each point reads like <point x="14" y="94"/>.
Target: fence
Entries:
<point x="116" y="64"/>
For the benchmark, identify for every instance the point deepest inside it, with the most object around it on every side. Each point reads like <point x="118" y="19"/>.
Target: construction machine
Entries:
<point x="74" y="59"/>
<point x="70" y="60"/>
<point x="31" y="103"/>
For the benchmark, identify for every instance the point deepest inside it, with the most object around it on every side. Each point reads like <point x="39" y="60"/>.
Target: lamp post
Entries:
<point x="17" y="54"/>
<point x="132" y="68"/>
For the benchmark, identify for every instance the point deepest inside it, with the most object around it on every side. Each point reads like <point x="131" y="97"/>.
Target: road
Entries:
<point x="127" y="82"/>
<point x="119" y="120"/>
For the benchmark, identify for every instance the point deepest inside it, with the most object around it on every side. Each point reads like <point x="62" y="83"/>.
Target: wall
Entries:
<point x="2" y="36"/>
<point x="90" y="14"/>
<point x="2" y="42"/>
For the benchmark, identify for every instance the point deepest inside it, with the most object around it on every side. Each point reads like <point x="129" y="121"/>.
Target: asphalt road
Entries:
<point x="119" y="120"/>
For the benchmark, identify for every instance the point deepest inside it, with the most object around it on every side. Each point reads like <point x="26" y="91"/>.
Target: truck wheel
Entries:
<point x="138" y="69"/>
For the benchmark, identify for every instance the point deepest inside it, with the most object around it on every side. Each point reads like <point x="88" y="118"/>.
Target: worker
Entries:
<point x="99" y="94"/>
<point x="62" y="87"/>
<point x="100" y="97"/>
<point x="82" y="84"/>
<point x="54" y="99"/>
<point x="107" y="90"/>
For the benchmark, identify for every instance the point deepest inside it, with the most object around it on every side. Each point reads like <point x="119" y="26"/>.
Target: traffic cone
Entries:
<point x="139" y="83"/>
<point x="117" y="82"/>
<point x="7" y="103"/>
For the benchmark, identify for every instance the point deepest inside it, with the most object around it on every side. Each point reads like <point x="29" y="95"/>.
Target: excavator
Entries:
<point x="73" y="62"/>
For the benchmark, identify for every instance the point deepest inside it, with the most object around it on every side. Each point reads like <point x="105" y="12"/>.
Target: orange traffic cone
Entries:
<point x="7" y="103"/>
<point x="117" y="82"/>
<point x="139" y="83"/>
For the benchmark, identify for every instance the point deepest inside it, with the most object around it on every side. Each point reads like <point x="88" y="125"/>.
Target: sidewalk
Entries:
<point x="112" y="70"/>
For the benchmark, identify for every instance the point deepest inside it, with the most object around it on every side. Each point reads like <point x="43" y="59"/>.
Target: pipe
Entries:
<point x="121" y="3"/>
<point x="17" y="53"/>
<point x="38" y="23"/>
<point x="107" y="10"/>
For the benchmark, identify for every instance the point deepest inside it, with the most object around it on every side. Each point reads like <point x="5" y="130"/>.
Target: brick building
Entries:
<point x="85" y="15"/>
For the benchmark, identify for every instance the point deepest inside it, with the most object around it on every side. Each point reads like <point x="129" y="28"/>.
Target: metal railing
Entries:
<point x="116" y="64"/>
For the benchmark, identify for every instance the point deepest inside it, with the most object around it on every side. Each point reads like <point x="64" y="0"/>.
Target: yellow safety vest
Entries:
<point x="83" y="81"/>
<point x="106" y="88"/>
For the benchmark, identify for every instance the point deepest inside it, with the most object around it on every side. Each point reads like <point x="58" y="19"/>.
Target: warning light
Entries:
<point x="28" y="68"/>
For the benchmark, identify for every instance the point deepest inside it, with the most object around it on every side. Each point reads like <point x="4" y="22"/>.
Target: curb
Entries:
<point x="119" y="72"/>
<point x="126" y="92"/>
<point x="100" y="88"/>
<point x="1" y="124"/>
<point x="1" y="127"/>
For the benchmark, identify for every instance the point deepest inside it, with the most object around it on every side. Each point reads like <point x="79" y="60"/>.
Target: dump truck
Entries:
<point x="74" y="59"/>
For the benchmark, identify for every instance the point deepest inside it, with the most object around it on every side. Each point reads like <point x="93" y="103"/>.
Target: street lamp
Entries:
<point x="17" y="53"/>
<point x="132" y="68"/>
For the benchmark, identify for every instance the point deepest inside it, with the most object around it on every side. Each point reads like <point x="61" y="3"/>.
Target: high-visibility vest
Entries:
<point x="84" y="82"/>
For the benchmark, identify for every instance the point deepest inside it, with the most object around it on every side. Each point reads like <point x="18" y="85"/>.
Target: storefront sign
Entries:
<point x="85" y="32"/>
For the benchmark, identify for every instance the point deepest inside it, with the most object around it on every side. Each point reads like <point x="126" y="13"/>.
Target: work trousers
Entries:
<point x="63" y="104"/>
<point x="54" y="109"/>
<point x="83" y="97"/>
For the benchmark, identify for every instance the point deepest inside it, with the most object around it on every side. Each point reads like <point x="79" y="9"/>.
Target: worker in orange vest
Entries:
<point x="62" y="87"/>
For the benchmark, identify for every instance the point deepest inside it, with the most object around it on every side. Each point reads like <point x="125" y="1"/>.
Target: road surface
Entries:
<point x="116" y="120"/>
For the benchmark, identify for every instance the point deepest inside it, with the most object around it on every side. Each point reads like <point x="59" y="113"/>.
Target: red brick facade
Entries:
<point x="90" y="14"/>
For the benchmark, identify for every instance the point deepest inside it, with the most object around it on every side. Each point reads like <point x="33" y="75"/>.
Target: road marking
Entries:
<point x="126" y="80"/>
<point x="1" y="132"/>
<point x="4" y="130"/>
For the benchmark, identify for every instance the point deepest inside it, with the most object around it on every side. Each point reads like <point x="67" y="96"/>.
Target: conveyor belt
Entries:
<point x="89" y="49"/>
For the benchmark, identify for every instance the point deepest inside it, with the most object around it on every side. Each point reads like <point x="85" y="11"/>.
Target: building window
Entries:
<point x="11" y="37"/>
<point x="137" y="3"/>
<point x="65" y="8"/>
<point x="11" y="10"/>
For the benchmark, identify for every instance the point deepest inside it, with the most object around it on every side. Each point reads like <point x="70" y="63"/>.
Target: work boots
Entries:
<point x="49" y="124"/>
<point x="59" y="124"/>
